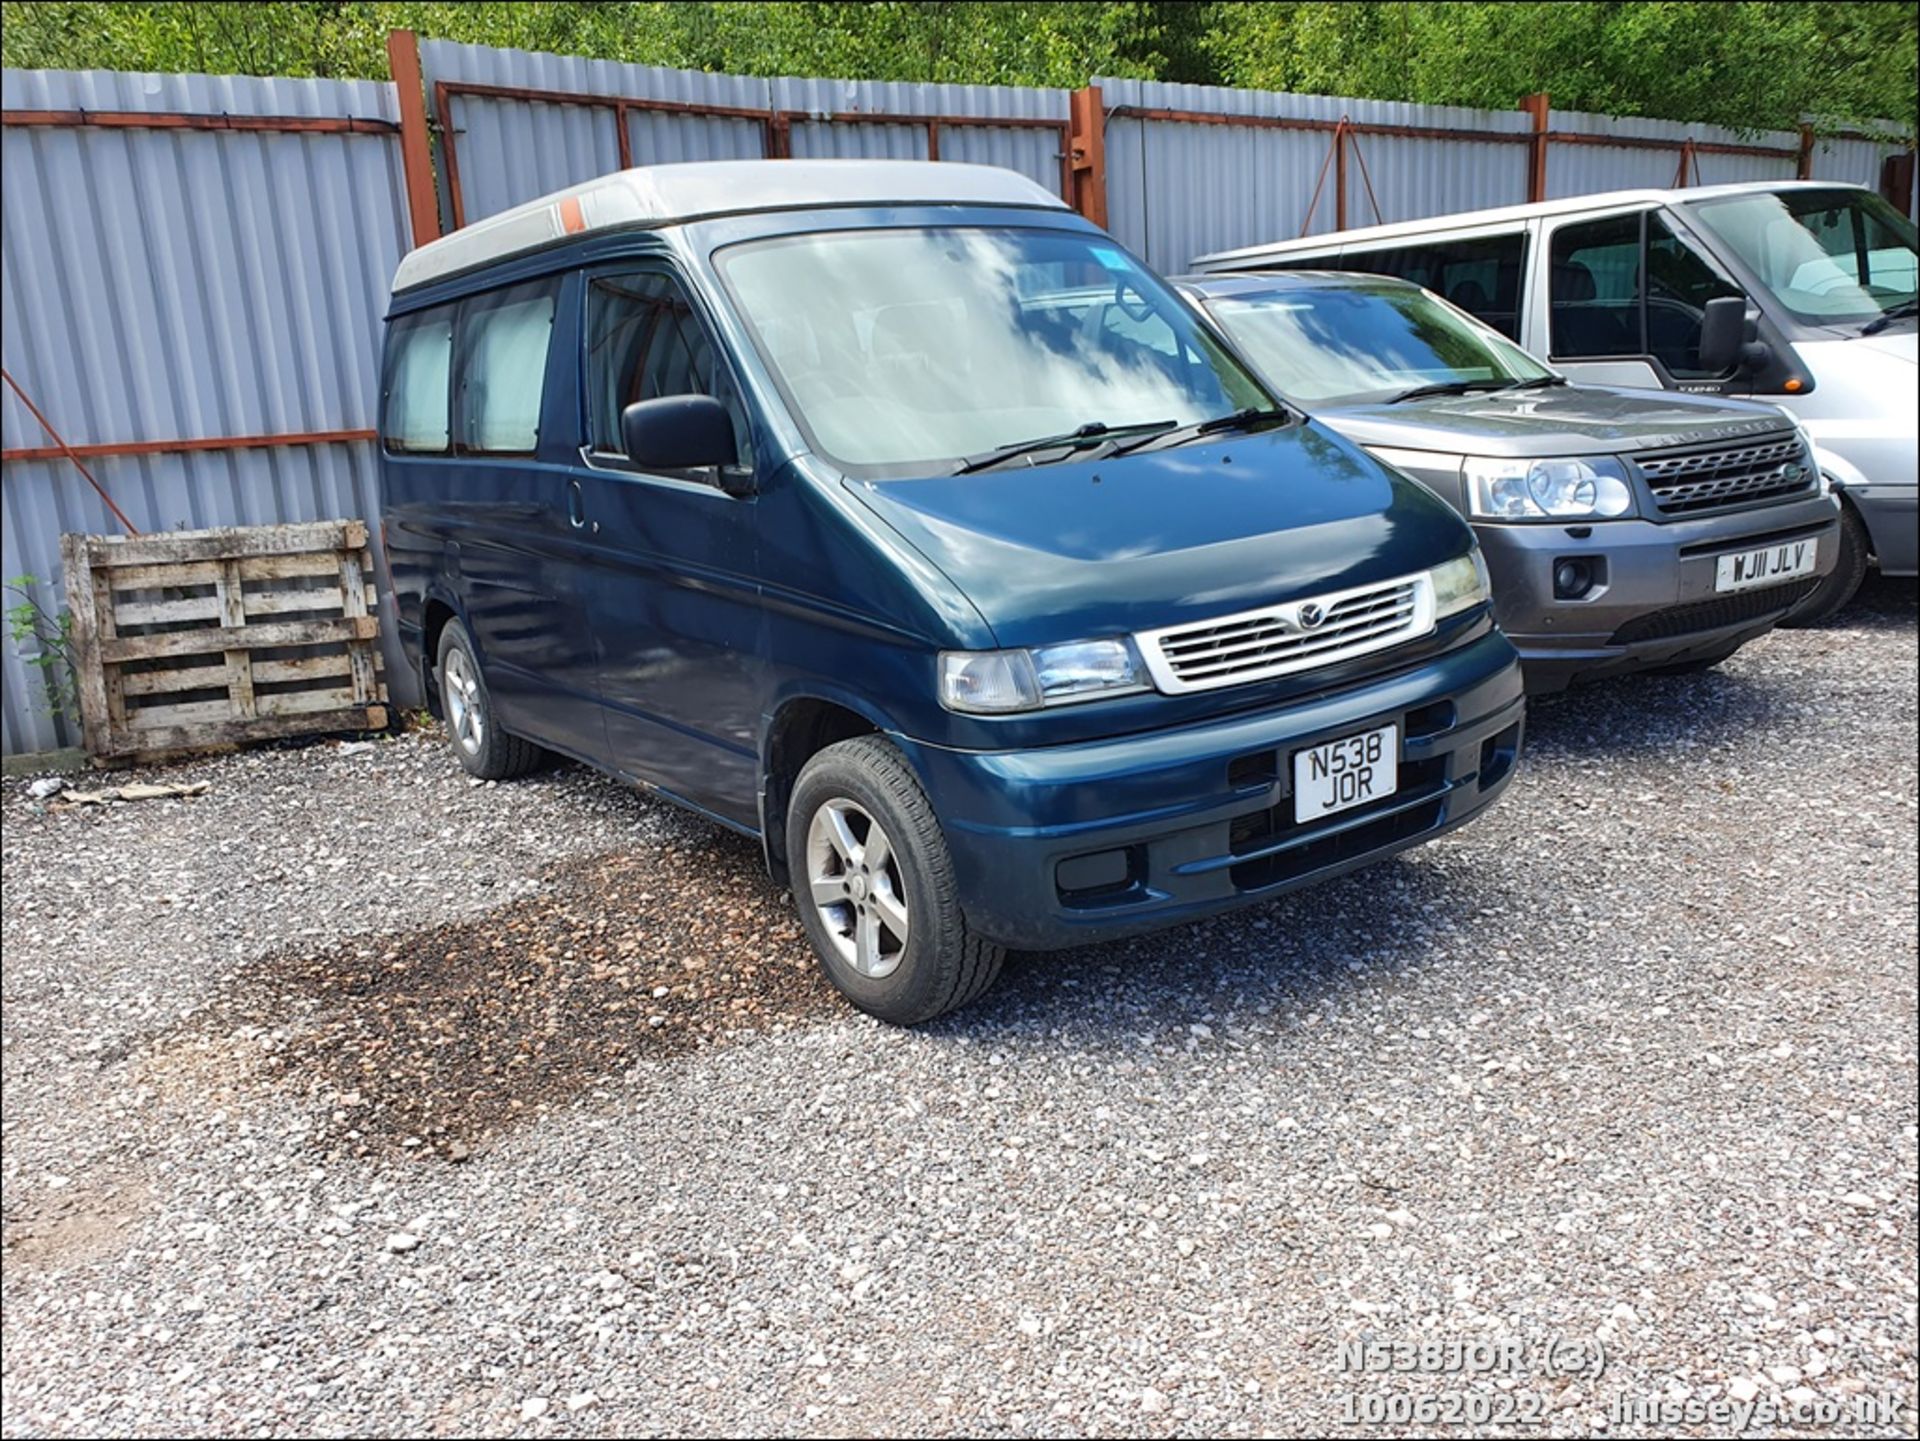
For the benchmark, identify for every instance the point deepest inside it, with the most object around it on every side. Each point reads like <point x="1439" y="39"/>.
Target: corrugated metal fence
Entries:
<point x="169" y="287"/>
<point x="194" y="269"/>
<point x="513" y="125"/>
<point x="1195" y="168"/>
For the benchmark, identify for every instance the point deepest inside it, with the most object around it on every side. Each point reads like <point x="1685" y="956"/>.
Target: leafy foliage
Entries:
<point x="45" y="640"/>
<point x="932" y="40"/>
<point x="1748" y="64"/>
<point x="1745" y="65"/>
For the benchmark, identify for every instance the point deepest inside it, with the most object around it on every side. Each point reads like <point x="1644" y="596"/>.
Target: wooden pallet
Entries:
<point x="202" y="639"/>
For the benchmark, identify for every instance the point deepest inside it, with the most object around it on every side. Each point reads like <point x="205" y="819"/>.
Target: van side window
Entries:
<point x="1623" y="288"/>
<point x="1593" y="296"/>
<point x="414" y="405"/>
<point x="504" y="339"/>
<point x="644" y="341"/>
<point x="1480" y="275"/>
<point x="1679" y="285"/>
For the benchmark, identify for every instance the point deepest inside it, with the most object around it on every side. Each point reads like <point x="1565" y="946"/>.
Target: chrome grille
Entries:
<point x="1279" y="640"/>
<point x="1709" y="478"/>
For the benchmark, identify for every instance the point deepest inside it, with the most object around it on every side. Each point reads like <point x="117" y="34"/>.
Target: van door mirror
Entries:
<point x="678" y="432"/>
<point x="1723" y="333"/>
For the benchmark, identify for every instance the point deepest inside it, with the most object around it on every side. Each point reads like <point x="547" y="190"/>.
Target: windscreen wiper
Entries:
<point x="1094" y="432"/>
<point x="1905" y="310"/>
<point x="1252" y="418"/>
<point x="1446" y="387"/>
<point x="1539" y="382"/>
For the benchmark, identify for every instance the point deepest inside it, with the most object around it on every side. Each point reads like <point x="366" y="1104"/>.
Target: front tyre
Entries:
<point x="484" y="748"/>
<point x="1699" y="665"/>
<point x="1835" y="590"/>
<point x="874" y="882"/>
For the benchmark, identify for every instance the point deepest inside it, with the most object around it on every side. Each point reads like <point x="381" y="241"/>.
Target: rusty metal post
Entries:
<point x="1340" y="174"/>
<point x="1687" y="162"/>
<point x="1319" y="184"/>
<point x="1896" y="181"/>
<point x="416" y="151"/>
<point x="1804" y="169"/>
<point x="1537" y="106"/>
<point x="449" y="154"/>
<point x="1087" y="154"/>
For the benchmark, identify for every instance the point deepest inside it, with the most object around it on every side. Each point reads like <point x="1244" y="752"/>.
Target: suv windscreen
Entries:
<point x="1831" y="257"/>
<point x="903" y="352"/>
<point x="1350" y="345"/>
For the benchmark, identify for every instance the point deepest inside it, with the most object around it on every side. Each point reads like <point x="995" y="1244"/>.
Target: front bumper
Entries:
<point x="1654" y="601"/>
<point x="1891" y="513"/>
<point x="1172" y="825"/>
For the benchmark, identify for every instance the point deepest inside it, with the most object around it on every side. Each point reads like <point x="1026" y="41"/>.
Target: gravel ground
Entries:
<point x="354" y="1097"/>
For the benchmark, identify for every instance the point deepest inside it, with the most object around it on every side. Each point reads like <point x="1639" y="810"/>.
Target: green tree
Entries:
<point x="1749" y="65"/>
<point x="975" y="41"/>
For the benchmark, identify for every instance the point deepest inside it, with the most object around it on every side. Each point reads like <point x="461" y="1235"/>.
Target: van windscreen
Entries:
<point x="903" y="352"/>
<point x="1832" y="257"/>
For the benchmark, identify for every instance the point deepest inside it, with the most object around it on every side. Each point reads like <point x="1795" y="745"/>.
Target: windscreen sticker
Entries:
<point x="1111" y="259"/>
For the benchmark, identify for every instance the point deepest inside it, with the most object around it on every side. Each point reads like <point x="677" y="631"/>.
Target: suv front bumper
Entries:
<point x="1654" y="602"/>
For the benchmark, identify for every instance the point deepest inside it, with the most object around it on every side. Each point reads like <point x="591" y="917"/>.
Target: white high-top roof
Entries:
<point x="652" y="195"/>
<point x="1252" y="255"/>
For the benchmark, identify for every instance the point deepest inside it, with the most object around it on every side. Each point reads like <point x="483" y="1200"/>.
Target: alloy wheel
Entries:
<point x="856" y="886"/>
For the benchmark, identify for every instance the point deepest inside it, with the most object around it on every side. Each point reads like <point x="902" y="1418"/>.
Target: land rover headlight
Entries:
<point x="997" y="682"/>
<point x="1562" y="488"/>
<point x="1460" y="584"/>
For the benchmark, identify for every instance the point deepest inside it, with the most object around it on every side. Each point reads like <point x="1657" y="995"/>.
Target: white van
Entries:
<point x="1798" y="292"/>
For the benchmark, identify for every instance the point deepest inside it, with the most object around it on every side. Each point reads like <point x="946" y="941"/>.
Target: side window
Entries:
<point x="1679" y="285"/>
<point x="645" y="341"/>
<point x="414" y="405"/>
<point x="1480" y="275"/>
<point x="1593" y="296"/>
<point x="1405" y="262"/>
<point x="504" y="338"/>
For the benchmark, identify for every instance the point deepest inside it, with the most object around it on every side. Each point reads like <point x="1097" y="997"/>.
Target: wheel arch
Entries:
<point x="439" y="609"/>
<point x="799" y="727"/>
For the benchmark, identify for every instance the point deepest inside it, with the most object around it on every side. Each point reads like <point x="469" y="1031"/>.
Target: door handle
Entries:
<point x="576" y="505"/>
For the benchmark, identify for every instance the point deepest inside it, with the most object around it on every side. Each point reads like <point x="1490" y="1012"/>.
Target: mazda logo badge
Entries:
<point x="1309" y="616"/>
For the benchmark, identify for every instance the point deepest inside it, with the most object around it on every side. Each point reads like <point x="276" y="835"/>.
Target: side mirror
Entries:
<point x="1723" y="333"/>
<point x="678" y="432"/>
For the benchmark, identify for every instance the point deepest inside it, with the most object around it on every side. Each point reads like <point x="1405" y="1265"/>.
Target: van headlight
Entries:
<point x="996" y="682"/>
<point x="1563" y="488"/>
<point x="1460" y="584"/>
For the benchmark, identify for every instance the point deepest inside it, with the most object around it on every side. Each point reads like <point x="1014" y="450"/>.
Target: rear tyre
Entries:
<point x="484" y="748"/>
<point x="874" y="882"/>
<point x="1834" y="592"/>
